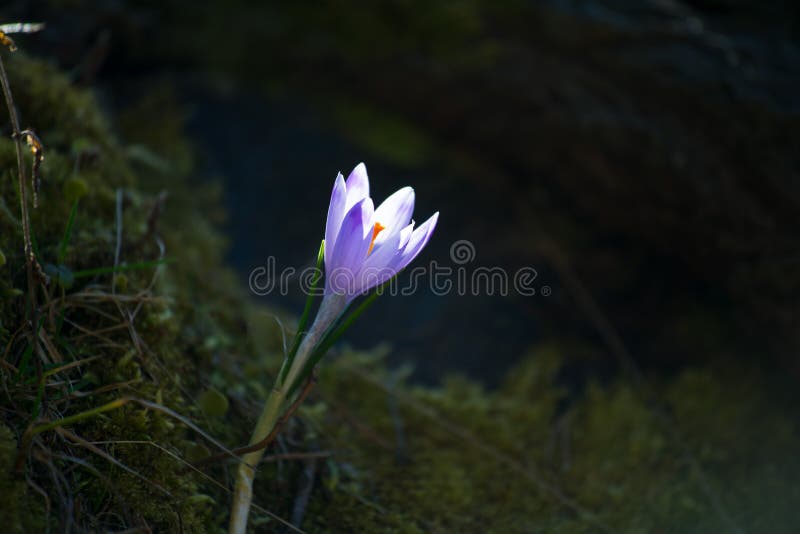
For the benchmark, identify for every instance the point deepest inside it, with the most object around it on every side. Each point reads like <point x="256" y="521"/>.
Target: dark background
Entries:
<point x="644" y="157"/>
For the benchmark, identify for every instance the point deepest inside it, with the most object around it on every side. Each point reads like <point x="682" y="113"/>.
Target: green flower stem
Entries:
<point x="330" y="309"/>
<point x="243" y="495"/>
<point x="329" y="312"/>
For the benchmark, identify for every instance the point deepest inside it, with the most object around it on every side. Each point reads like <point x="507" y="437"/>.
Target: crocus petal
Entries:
<point x="419" y="238"/>
<point x="336" y="211"/>
<point x="394" y="213"/>
<point x="357" y="186"/>
<point x="377" y="268"/>
<point x="352" y="244"/>
<point x="405" y="234"/>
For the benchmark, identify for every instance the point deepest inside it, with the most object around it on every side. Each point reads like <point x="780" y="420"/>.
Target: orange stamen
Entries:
<point x="378" y="228"/>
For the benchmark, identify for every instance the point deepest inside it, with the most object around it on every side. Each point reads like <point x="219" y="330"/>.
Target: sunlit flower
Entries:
<point x="364" y="246"/>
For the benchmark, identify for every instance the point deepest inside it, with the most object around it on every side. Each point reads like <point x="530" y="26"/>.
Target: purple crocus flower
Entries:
<point x="364" y="247"/>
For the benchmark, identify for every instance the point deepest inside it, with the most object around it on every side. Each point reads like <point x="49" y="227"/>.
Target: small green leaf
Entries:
<point x="213" y="403"/>
<point x="196" y="451"/>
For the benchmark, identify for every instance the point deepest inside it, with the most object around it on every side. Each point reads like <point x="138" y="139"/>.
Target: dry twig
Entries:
<point x="264" y="443"/>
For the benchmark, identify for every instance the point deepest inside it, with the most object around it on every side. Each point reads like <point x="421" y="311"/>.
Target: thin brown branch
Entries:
<point x="30" y="260"/>
<point x="264" y="443"/>
<point x="37" y="149"/>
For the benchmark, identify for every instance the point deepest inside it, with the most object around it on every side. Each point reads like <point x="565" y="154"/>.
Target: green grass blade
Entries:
<point x="62" y="250"/>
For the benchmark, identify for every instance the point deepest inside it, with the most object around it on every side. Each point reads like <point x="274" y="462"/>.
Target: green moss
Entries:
<point x="19" y="510"/>
<point x="717" y="448"/>
<point x="511" y="461"/>
<point x="151" y="359"/>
